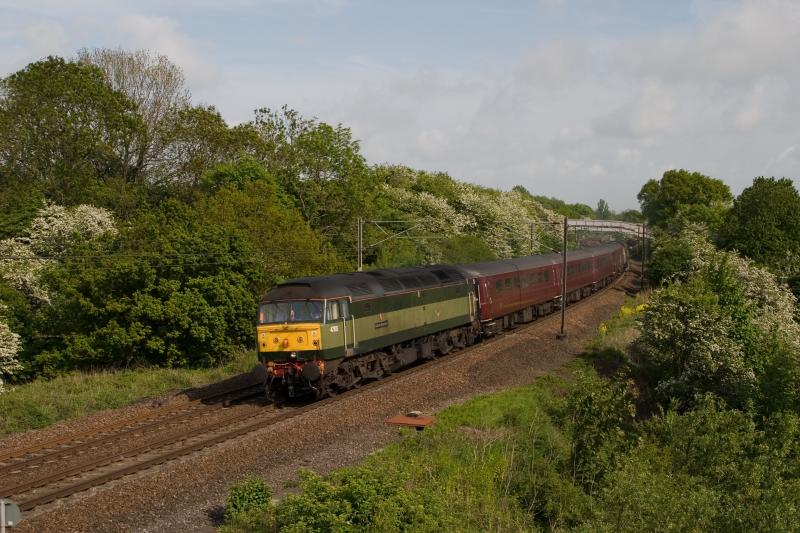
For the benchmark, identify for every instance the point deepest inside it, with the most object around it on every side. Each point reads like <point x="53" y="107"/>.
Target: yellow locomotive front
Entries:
<point x="290" y="342"/>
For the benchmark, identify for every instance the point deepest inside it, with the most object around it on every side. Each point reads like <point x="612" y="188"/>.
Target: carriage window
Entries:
<point x="526" y="280"/>
<point x="516" y="281"/>
<point x="508" y="283"/>
<point x="498" y="286"/>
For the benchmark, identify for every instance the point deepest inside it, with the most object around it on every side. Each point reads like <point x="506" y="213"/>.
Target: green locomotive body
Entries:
<point x="327" y="334"/>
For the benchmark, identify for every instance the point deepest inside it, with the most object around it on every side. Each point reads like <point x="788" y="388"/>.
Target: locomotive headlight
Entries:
<point x="293" y="355"/>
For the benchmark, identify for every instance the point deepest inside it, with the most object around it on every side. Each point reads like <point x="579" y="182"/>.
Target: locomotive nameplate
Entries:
<point x="382" y="324"/>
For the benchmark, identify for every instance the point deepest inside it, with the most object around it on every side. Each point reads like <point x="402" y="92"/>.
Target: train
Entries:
<point x="324" y="335"/>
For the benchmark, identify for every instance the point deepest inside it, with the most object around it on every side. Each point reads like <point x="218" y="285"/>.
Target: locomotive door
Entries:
<point x="343" y="324"/>
<point x="348" y="327"/>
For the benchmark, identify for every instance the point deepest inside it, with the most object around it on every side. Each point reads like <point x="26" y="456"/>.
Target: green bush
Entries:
<point x="727" y="327"/>
<point x="599" y="416"/>
<point x="249" y="506"/>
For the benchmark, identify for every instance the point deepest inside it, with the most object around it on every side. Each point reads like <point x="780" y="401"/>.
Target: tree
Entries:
<point x="631" y="215"/>
<point x="603" y="211"/>
<point x="169" y="290"/>
<point x="62" y="128"/>
<point x="196" y="139"/>
<point x="156" y="88"/>
<point x="764" y="224"/>
<point x="321" y="166"/>
<point x="251" y="206"/>
<point x="563" y="208"/>
<point x="10" y="346"/>
<point x="727" y="327"/>
<point x="680" y="193"/>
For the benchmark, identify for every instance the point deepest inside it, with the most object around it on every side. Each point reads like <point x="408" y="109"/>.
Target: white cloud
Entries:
<point x="163" y="35"/>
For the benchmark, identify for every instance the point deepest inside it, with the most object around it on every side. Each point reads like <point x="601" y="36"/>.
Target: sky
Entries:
<point x="575" y="99"/>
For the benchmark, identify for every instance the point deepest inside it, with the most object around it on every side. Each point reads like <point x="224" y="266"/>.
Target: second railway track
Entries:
<point x="74" y="477"/>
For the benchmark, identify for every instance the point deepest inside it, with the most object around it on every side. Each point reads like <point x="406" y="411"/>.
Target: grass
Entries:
<point x="483" y="466"/>
<point x="619" y="331"/>
<point x="42" y="403"/>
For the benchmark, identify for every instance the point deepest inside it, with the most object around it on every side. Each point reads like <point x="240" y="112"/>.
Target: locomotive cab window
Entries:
<point x="332" y="311"/>
<point x="291" y="311"/>
<point x="336" y="310"/>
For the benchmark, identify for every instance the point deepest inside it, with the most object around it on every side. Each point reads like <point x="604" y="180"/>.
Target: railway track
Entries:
<point x="92" y="467"/>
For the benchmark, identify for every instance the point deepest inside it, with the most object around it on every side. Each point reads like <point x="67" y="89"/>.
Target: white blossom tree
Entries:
<point x="10" y="345"/>
<point x="724" y="326"/>
<point x="24" y="259"/>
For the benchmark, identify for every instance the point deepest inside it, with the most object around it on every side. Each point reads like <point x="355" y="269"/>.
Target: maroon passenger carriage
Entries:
<point x="518" y="290"/>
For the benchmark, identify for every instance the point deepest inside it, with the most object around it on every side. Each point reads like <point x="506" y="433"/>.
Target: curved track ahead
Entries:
<point x="79" y="462"/>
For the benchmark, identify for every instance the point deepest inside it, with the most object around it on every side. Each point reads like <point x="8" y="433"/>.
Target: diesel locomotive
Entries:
<point x="324" y="335"/>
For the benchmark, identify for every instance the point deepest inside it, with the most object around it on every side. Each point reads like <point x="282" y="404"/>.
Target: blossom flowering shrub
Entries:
<point x="442" y="206"/>
<point x="432" y="212"/>
<point x="22" y="269"/>
<point x="24" y="259"/>
<point x="723" y="326"/>
<point x="56" y="227"/>
<point x="10" y="345"/>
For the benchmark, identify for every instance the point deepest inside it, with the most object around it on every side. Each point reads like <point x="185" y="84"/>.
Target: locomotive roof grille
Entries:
<point x="360" y="289"/>
<point x="391" y="284"/>
<point x="410" y="282"/>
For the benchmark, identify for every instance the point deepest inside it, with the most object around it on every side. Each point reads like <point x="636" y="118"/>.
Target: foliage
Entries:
<point x="155" y="87"/>
<point x="684" y="194"/>
<point x="631" y="215"/>
<point x="600" y="426"/>
<point x="248" y="505"/>
<point x="18" y="207"/>
<point x="764" y="225"/>
<point x="444" y="213"/>
<point x="466" y="249"/>
<point x="710" y="469"/>
<point x="51" y="234"/>
<point x="350" y="500"/>
<point x="603" y="212"/>
<point x="174" y="292"/>
<point x="61" y="153"/>
<point x="559" y="206"/>
<point x="197" y="138"/>
<point x="320" y="166"/>
<point x="724" y="328"/>
<point x="281" y="243"/>
<point x="10" y="346"/>
<point x="670" y="258"/>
